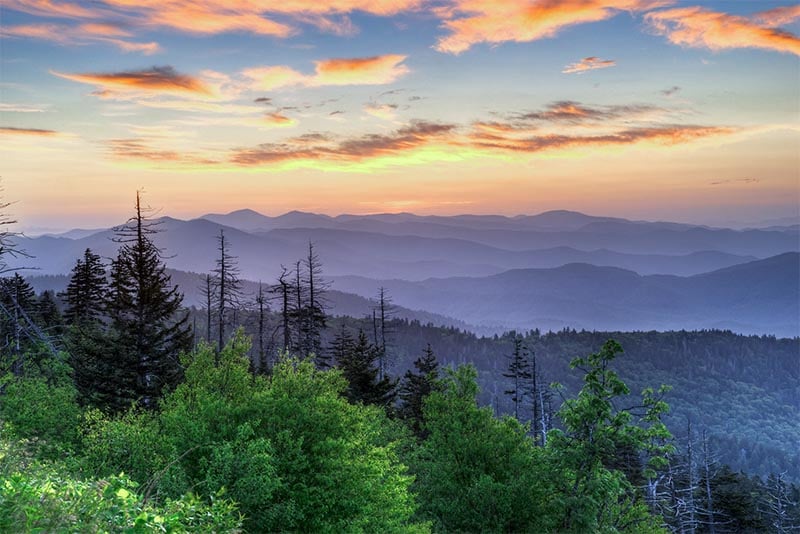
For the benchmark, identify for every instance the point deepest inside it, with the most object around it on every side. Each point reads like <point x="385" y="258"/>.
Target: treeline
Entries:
<point x="129" y="412"/>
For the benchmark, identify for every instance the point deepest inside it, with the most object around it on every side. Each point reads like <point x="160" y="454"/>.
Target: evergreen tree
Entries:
<point x="341" y="346"/>
<point x="148" y="330"/>
<point x="359" y="368"/>
<point x="87" y="290"/>
<point x="381" y="315"/>
<point x="416" y="387"/>
<point x="519" y="373"/>
<point x="48" y="316"/>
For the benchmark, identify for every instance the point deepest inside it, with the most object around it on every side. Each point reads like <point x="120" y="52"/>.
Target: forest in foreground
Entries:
<point x="121" y="412"/>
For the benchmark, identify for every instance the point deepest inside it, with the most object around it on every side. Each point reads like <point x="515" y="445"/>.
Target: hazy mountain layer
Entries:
<point x="761" y="297"/>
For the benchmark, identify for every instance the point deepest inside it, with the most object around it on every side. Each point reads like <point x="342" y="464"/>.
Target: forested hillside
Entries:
<point x="256" y="409"/>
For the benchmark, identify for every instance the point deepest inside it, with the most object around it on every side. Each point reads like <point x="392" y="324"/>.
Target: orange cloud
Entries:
<point x="416" y="135"/>
<point x="278" y="119"/>
<point x="11" y="130"/>
<point x="377" y="70"/>
<point x="470" y="22"/>
<point x="80" y="35"/>
<point x="665" y="135"/>
<point x="158" y="80"/>
<point x="588" y="63"/>
<point x="568" y="111"/>
<point x="778" y="16"/>
<point x="219" y="16"/>
<point x="49" y="8"/>
<point x="142" y="149"/>
<point x="699" y="27"/>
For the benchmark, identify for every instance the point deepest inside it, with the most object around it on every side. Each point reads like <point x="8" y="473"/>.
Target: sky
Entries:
<point x="647" y="109"/>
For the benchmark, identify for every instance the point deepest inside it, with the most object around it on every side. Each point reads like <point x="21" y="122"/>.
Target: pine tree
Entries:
<point x="48" y="316"/>
<point x="86" y="291"/>
<point x="381" y="315"/>
<point x="341" y="346"/>
<point x="519" y="373"/>
<point x="148" y="329"/>
<point x="359" y="368"/>
<point x="416" y="387"/>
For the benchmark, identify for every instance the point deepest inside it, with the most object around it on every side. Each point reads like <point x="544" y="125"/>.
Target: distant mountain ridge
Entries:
<point x="760" y="297"/>
<point x="551" y="270"/>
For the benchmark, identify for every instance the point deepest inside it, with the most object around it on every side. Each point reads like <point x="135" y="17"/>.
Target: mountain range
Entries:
<point x="551" y="270"/>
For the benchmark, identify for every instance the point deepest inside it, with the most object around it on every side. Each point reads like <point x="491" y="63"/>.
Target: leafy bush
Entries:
<point x="38" y="497"/>
<point x="40" y="411"/>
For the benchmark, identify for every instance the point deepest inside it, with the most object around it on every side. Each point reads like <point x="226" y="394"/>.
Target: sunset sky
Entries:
<point x="648" y="109"/>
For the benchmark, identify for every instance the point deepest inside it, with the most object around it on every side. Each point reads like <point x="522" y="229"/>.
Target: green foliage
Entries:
<point x="476" y="473"/>
<point x="598" y="498"/>
<point x="415" y="389"/>
<point x="132" y="442"/>
<point x="290" y="449"/>
<point x="38" y="410"/>
<point x="37" y="497"/>
<point x="358" y="363"/>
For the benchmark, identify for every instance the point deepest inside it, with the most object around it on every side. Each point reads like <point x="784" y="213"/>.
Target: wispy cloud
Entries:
<point x="11" y="130"/>
<point x="736" y="181"/>
<point x="470" y="22"/>
<point x="660" y="134"/>
<point x="699" y="27"/>
<point x="277" y="118"/>
<point x="161" y="80"/>
<point x="275" y="19"/>
<point x="416" y="135"/>
<point x="145" y="149"/>
<point x="6" y="107"/>
<point x="587" y="64"/>
<point x="671" y="91"/>
<point x="568" y="111"/>
<point x="83" y="34"/>
<point x="376" y="70"/>
<point x="382" y="111"/>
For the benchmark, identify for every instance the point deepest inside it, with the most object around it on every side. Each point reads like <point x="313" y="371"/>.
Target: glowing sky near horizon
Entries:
<point x="648" y="109"/>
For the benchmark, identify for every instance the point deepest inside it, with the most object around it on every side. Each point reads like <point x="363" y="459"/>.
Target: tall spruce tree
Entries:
<point x="86" y="291"/>
<point x="519" y="373"/>
<point x="416" y="387"/>
<point x="48" y="316"/>
<point x="149" y="330"/>
<point x="359" y="367"/>
<point x="381" y="315"/>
